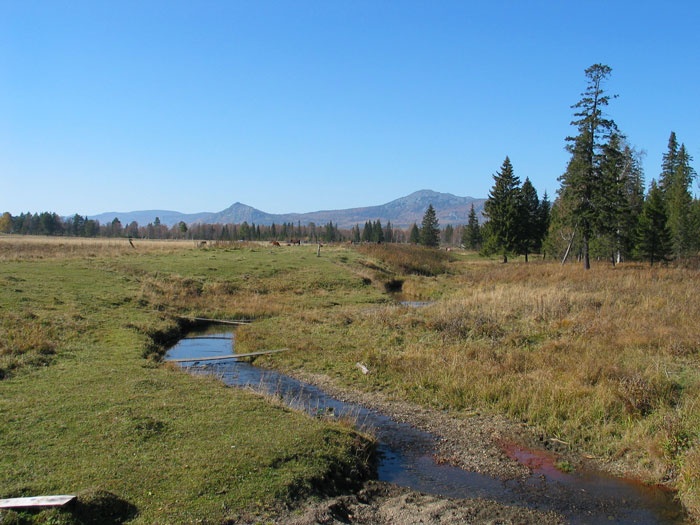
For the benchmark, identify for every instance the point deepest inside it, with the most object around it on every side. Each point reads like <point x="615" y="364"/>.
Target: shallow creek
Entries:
<point x="406" y="454"/>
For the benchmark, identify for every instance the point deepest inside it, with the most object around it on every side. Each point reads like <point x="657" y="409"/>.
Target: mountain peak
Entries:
<point x="402" y="213"/>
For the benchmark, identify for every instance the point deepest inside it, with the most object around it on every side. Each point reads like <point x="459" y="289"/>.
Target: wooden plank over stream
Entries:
<point x="37" y="501"/>
<point x="231" y="356"/>
<point x="221" y="321"/>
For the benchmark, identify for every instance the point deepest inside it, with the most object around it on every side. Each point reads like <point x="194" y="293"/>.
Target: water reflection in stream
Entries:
<point x="407" y="454"/>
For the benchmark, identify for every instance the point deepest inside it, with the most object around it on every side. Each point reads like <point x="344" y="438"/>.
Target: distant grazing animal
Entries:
<point x="201" y="244"/>
<point x="274" y="243"/>
<point x="295" y="241"/>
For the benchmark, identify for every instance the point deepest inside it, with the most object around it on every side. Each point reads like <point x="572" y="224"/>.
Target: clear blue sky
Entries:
<point x="296" y="106"/>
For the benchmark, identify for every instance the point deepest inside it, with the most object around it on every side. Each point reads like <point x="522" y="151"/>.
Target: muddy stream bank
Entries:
<point x="470" y="470"/>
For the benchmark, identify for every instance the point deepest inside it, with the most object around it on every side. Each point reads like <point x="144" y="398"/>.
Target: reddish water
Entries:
<point x="651" y="504"/>
<point x="540" y="462"/>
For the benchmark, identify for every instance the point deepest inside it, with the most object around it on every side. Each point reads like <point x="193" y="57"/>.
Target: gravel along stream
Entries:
<point x="434" y="466"/>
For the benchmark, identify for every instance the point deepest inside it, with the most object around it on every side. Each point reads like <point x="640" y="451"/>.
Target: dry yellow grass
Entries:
<point x="606" y="360"/>
<point x="27" y="247"/>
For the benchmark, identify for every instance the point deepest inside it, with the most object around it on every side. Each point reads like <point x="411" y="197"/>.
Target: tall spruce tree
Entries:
<point x="633" y="190"/>
<point x="544" y="219"/>
<point x="430" y="228"/>
<point x="471" y="235"/>
<point x="367" y="232"/>
<point x="530" y="238"/>
<point x="504" y="212"/>
<point x="653" y="235"/>
<point x="620" y="201"/>
<point x="377" y="232"/>
<point x="582" y="185"/>
<point x="669" y="163"/>
<point x="679" y="205"/>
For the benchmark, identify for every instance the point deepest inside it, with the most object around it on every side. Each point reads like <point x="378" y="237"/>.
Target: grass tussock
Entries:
<point x="407" y="259"/>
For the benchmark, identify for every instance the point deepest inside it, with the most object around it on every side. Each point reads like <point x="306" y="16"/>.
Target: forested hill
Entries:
<point x="402" y="213"/>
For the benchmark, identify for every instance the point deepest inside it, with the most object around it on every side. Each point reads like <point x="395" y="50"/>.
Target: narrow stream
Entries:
<point x="406" y="454"/>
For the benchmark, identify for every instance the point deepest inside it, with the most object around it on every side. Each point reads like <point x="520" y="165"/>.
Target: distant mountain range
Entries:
<point x="402" y="213"/>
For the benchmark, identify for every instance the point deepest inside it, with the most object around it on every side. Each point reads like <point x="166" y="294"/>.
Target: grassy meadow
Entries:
<point x="605" y="360"/>
<point x="85" y="411"/>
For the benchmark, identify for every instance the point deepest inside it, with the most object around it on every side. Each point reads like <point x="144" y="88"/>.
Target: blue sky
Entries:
<point x="296" y="106"/>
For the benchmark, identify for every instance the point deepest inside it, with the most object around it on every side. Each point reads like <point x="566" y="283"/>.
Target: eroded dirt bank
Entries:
<point x="383" y="503"/>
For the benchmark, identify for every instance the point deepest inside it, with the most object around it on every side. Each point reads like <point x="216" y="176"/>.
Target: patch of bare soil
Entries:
<point x="383" y="503"/>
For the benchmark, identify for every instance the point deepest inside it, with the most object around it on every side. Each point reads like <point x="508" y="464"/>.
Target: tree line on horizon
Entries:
<point x="49" y="223"/>
<point x="601" y="209"/>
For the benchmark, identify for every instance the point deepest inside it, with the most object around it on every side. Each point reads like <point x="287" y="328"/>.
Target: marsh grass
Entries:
<point x="605" y="360"/>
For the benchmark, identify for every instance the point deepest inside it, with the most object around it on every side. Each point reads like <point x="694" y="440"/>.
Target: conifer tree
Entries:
<point x="621" y="198"/>
<point x="367" y="232"/>
<point x="389" y="232"/>
<point x="244" y="231"/>
<point x="356" y="234"/>
<point x="503" y="210"/>
<point x="414" y="235"/>
<point x="669" y="163"/>
<point x="471" y="235"/>
<point x="529" y="237"/>
<point x="544" y="219"/>
<point x="430" y="230"/>
<point x="377" y="232"/>
<point x="679" y="204"/>
<point x="582" y="185"/>
<point x="653" y="235"/>
<point x="633" y="190"/>
<point x="330" y="233"/>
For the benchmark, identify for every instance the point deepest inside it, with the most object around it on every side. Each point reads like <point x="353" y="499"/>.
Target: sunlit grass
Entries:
<point x="82" y="411"/>
<point x="605" y="360"/>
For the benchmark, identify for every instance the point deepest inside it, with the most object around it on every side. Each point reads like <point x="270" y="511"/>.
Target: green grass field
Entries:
<point x="605" y="360"/>
<point x="84" y="412"/>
